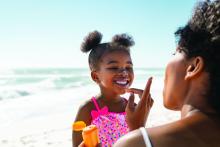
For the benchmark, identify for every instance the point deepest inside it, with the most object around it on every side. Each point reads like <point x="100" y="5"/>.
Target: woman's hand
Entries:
<point x="136" y="115"/>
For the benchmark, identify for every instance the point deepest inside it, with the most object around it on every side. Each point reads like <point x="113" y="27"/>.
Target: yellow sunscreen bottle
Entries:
<point x="89" y="133"/>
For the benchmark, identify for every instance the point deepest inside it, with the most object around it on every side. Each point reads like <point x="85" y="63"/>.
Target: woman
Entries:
<point x="192" y="86"/>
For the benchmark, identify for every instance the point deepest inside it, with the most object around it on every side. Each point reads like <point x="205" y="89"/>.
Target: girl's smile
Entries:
<point x="116" y="72"/>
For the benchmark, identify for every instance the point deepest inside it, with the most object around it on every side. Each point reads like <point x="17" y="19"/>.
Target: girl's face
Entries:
<point x="115" y="72"/>
<point x="174" y="84"/>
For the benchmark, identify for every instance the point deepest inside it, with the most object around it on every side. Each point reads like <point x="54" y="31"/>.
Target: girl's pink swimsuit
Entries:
<point x="111" y="125"/>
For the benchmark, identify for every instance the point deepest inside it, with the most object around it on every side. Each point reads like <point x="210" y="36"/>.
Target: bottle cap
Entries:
<point x="78" y="126"/>
<point x="89" y="129"/>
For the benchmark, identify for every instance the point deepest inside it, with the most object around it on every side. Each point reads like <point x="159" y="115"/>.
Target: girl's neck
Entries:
<point x="114" y="103"/>
<point x="110" y="98"/>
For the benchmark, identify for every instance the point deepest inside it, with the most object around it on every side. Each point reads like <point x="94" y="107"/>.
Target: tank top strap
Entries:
<point x="146" y="137"/>
<point x="95" y="103"/>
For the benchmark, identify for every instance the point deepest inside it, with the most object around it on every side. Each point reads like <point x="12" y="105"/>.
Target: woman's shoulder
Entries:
<point x="156" y="136"/>
<point x="133" y="138"/>
<point x="161" y="136"/>
<point x="186" y="132"/>
<point x="170" y="134"/>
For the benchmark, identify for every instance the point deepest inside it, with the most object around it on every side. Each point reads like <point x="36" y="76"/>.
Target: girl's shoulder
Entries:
<point x="84" y="112"/>
<point x="88" y="105"/>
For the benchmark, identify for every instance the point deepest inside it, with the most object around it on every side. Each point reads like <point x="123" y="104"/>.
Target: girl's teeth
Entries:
<point x="121" y="82"/>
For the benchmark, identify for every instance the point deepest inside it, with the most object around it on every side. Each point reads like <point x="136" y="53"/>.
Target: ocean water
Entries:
<point x="38" y="105"/>
<point x="16" y="83"/>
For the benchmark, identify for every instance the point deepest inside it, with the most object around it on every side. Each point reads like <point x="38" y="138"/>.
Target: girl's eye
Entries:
<point x="113" y="68"/>
<point x="120" y="69"/>
<point x="129" y="68"/>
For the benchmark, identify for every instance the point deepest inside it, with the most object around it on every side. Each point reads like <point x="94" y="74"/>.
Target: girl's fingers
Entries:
<point x="151" y="101"/>
<point x="130" y="104"/>
<point x="135" y="91"/>
<point x="145" y="96"/>
<point x="147" y="88"/>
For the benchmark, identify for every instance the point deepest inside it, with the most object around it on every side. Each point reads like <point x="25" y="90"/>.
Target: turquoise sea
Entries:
<point x="15" y="83"/>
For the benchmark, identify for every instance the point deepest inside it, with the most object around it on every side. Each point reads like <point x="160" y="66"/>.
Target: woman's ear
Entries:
<point x="194" y="68"/>
<point x="94" y="76"/>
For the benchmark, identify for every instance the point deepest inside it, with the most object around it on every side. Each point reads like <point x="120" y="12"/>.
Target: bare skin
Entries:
<point x="186" y="132"/>
<point x="136" y="111"/>
<point x="199" y="123"/>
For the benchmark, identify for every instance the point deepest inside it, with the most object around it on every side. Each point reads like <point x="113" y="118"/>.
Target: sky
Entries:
<point x="48" y="33"/>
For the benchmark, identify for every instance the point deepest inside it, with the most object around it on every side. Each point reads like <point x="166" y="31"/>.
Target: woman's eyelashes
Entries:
<point x="177" y="51"/>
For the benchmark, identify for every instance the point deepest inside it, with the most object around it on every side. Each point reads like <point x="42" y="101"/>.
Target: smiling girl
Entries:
<point x="112" y="69"/>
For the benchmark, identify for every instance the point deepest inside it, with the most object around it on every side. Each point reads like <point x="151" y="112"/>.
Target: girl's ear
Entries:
<point x="94" y="76"/>
<point x="195" y="68"/>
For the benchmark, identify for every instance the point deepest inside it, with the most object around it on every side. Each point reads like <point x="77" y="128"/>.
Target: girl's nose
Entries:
<point x="123" y="71"/>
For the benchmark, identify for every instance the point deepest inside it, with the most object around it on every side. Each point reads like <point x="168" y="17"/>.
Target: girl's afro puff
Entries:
<point x="123" y="40"/>
<point x="91" y="41"/>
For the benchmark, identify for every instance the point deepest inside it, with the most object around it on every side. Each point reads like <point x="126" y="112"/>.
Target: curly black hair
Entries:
<point x="92" y="43"/>
<point x="201" y="37"/>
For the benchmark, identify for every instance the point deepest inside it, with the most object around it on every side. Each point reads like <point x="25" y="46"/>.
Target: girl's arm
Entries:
<point x="82" y="115"/>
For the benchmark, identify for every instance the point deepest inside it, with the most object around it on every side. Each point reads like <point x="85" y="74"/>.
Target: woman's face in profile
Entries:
<point x="174" y="83"/>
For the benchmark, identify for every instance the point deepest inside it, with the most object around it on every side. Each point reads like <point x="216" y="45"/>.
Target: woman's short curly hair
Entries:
<point x="92" y="43"/>
<point x="201" y="37"/>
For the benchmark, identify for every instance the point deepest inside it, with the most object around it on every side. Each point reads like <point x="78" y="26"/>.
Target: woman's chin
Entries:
<point x="171" y="106"/>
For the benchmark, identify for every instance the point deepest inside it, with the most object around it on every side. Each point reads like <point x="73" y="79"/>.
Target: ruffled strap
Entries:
<point x="95" y="103"/>
<point x="98" y="112"/>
